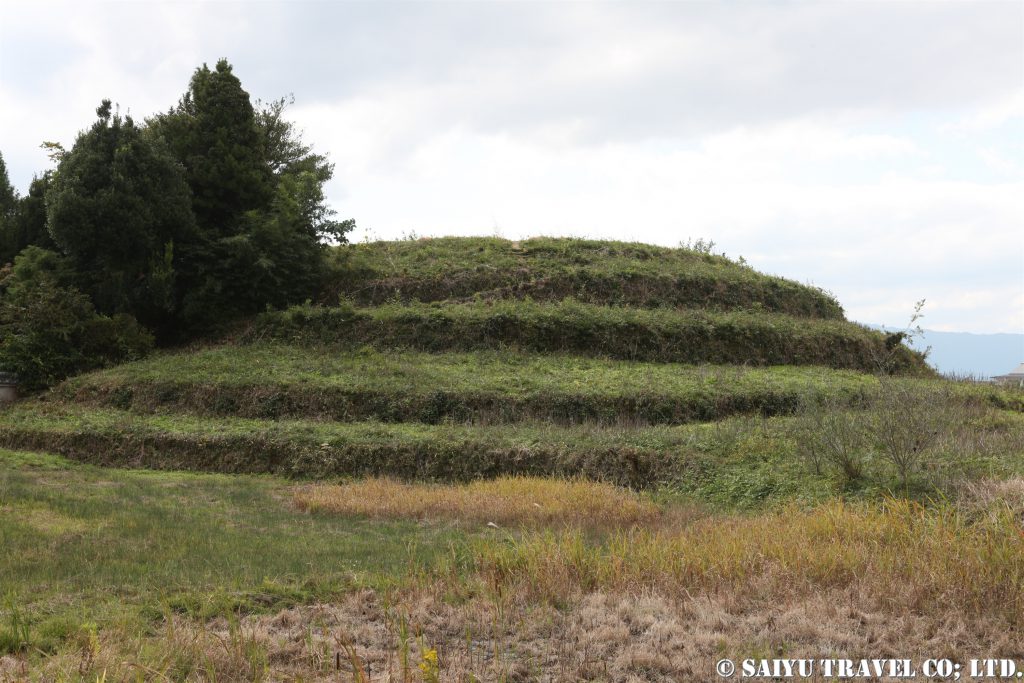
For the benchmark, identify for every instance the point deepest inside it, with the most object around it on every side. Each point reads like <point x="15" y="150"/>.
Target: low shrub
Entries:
<point x="831" y="437"/>
<point x="907" y="422"/>
<point x="49" y="331"/>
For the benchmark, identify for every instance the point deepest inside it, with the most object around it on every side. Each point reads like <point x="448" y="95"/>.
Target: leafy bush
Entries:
<point x="830" y="436"/>
<point x="50" y="330"/>
<point x="902" y="425"/>
<point x="907" y="423"/>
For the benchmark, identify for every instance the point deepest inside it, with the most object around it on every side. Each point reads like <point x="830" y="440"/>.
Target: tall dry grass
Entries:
<point x="899" y="553"/>
<point x="508" y="501"/>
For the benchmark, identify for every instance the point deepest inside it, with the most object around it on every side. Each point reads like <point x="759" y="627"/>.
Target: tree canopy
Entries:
<point x="212" y="210"/>
<point x="8" y="214"/>
<point x="117" y="207"/>
<point x="257" y="195"/>
<point x="214" y="133"/>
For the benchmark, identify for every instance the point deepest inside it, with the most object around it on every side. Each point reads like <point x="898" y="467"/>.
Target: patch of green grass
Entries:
<point x="551" y="269"/>
<point x="659" y="335"/>
<point x="83" y="544"/>
<point x="274" y="380"/>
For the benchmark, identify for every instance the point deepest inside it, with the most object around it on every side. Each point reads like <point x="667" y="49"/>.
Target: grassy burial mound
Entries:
<point x="471" y="390"/>
<point x="551" y="269"/>
<point x="467" y="390"/>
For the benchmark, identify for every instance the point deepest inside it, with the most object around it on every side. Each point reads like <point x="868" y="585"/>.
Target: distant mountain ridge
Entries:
<point x="982" y="355"/>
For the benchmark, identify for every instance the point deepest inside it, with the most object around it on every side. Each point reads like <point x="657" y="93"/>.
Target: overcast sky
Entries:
<point x="875" y="149"/>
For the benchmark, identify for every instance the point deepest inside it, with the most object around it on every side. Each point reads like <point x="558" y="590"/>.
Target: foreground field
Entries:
<point x="158" y="576"/>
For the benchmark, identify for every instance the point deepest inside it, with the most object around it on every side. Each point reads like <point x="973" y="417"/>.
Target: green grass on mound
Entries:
<point x="634" y="457"/>
<point x="660" y="335"/>
<point x="739" y="462"/>
<point x="550" y="269"/>
<point x="274" y="380"/>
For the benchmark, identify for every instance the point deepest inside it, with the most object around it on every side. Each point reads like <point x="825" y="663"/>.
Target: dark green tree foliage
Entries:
<point x="258" y="200"/>
<point x="118" y="206"/>
<point x="33" y="265"/>
<point x="8" y="214"/>
<point x="295" y="163"/>
<point x="27" y="226"/>
<point x="49" y="330"/>
<point x="8" y="196"/>
<point x="211" y="211"/>
<point x="214" y="133"/>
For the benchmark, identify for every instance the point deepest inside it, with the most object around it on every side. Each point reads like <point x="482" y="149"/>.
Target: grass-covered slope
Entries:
<point x="272" y="381"/>
<point x="739" y="462"/>
<point x="658" y="335"/>
<point x="619" y="300"/>
<point x="633" y="457"/>
<point x="552" y="269"/>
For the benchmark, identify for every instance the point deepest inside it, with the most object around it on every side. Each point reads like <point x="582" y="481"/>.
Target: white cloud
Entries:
<point x="994" y="114"/>
<point x="872" y="148"/>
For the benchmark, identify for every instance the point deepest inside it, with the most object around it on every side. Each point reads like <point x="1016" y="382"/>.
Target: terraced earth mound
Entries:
<point x="501" y="384"/>
<point x="565" y="458"/>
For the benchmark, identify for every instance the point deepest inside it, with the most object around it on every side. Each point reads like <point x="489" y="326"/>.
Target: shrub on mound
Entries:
<point x="49" y="331"/>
